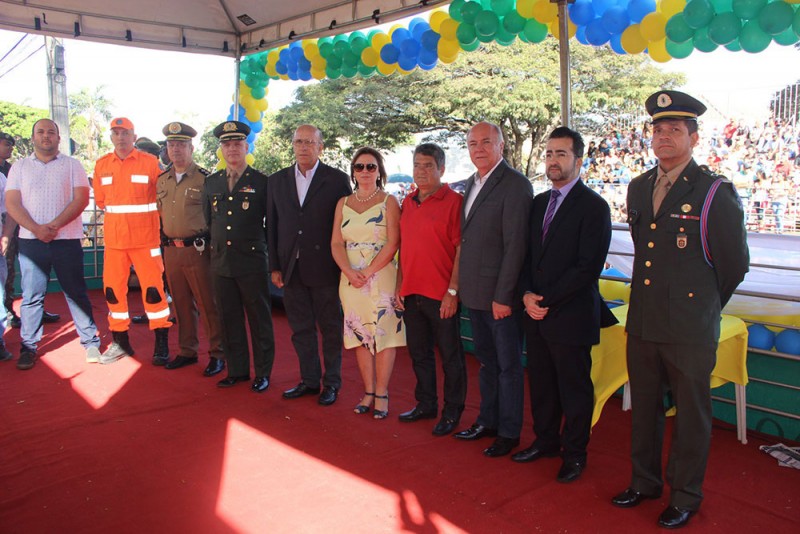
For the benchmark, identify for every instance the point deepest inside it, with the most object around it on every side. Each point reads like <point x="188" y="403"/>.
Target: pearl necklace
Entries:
<point x="370" y="197"/>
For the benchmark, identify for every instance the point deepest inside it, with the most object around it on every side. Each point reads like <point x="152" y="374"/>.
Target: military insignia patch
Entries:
<point x="664" y="100"/>
<point x="174" y="128"/>
<point x="686" y="208"/>
<point x="681" y="241"/>
<point x="229" y="127"/>
<point x="246" y="205"/>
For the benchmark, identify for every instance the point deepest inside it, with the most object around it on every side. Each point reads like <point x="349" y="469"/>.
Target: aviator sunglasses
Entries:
<point x="361" y="166"/>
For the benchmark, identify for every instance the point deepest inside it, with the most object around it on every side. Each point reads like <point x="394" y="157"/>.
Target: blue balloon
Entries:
<point x="613" y="271"/>
<point x="615" y="20"/>
<point x="581" y="12"/>
<point x="400" y="35"/>
<point x="280" y="67"/>
<point x="296" y="53"/>
<point x="303" y="64"/>
<point x="419" y="29"/>
<point x="616" y="44"/>
<point x="427" y="57"/>
<point x="430" y="40"/>
<point x="760" y="337"/>
<point x="256" y="126"/>
<point x="409" y="48"/>
<point x="407" y="63"/>
<point x="284" y="56"/>
<point x="637" y="9"/>
<point x="580" y="35"/>
<point x="600" y="6"/>
<point x="596" y="33"/>
<point x="251" y="137"/>
<point x="304" y="74"/>
<point x="788" y="341"/>
<point x="390" y="53"/>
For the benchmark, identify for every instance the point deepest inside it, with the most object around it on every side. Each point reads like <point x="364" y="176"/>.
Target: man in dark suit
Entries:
<point x="570" y="235"/>
<point x="691" y="252"/>
<point x="494" y="237"/>
<point x="302" y="201"/>
<point x="235" y="207"/>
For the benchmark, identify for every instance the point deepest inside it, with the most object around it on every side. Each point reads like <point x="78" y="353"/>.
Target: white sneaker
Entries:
<point x="92" y="355"/>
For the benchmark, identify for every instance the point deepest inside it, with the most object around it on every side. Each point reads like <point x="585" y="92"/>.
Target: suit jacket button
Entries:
<point x="691" y="295"/>
<point x="652" y="226"/>
<point x="648" y="263"/>
<point x="651" y="244"/>
<point x="228" y="243"/>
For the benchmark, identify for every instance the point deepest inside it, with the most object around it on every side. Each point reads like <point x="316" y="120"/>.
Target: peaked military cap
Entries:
<point x="7" y="137"/>
<point x="146" y="145"/>
<point x="178" y="131"/>
<point x="230" y="130"/>
<point x="673" y="105"/>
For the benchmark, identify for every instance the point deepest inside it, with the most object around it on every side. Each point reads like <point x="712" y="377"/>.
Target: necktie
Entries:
<point x="551" y="211"/>
<point x="232" y="179"/>
<point x="660" y="191"/>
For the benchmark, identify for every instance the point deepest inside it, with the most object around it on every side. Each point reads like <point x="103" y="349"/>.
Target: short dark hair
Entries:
<point x="433" y="150"/>
<point x="381" y="181"/>
<point x="33" y="128"/>
<point x="562" y="132"/>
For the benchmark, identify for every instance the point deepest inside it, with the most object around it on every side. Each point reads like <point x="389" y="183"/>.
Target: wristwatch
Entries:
<point x="452" y="292"/>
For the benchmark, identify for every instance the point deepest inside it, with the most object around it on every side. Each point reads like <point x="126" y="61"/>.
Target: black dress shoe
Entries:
<point x="476" y="431"/>
<point x="445" y="426"/>
<point x="231" y="381"/>
<point x="299" y="390"/>
<point x="214" y="367"/>
<point x="532" y="454"/>
<point x="15" y="322"/>
<point x="630" y="498"/>
<point x="501" y="447"/>
<point x="570" y="471"/>
<point x="140" y="319"/>
<point x="50" y="318"/>
<point x="260" y="384"/>
<point x="328" y="396"/>
<point x="180" y="361"/>
<point x="674" y="517"/>
<point x="415" y="415"/>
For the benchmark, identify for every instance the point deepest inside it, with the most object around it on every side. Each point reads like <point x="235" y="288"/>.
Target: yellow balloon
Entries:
<point x="437" y="17"/>
<point x="571" y="28"/>
<point x="221" y="164"/>
<point x="448" y="59"/>
<point x="219" y="154"/>
<point x="270" y="70"/>
<point x="283" y="77"/>
<point x="545" y="12"/>
<point x="311" y="51"/>
<point x="380" y="39"/>
<point x="262" y="105"/>
<point x="632" y="41"/>
<point x="370" y="57"/>
<point x="658" y="51"/>
<point x="385" y="68"/>
<point x="670" y="7"/>
<point x="318" y="74"/>
<point x="246" y="99"/>
<point x="250" y="159"/>
<point x="395" y="27"/>
<point x="405" y="72"/>
<point x="252" y="114"/>
<point x="448" y="48"/>
<point x="272" y="57"/>
<point x="525" y="8"/>
<point x="448" y="28"/>
<point x="652" y="26"/>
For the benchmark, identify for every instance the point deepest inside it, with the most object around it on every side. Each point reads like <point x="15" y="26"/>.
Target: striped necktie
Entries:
<point x="551" y="211"/>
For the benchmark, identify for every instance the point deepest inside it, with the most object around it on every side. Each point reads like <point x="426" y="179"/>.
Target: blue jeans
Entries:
<point x="498" y="346"/>
<point x="3" y="311"/>
<point x="65" y="257"/>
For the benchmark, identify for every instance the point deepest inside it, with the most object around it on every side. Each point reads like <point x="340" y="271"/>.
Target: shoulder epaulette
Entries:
<point x="203" y="171"/>
<point x="708" y="172"/>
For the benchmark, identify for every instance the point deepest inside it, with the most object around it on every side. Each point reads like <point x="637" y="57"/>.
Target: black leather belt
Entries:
<point x="196" y="241"/>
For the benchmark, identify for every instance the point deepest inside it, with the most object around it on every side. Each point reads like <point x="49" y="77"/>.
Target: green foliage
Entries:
<point x="18" y="120"/>
<point x="273" y="151"/>
<point x="89" y="113"/>
<point x="205" y="149"/>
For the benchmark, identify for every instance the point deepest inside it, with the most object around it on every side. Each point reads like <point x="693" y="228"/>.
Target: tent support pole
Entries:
<point x="563" y="50"/>
<point x="237" y="71"/>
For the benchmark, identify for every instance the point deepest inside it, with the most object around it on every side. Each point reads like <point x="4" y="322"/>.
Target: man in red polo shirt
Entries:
<point x="430" y="237"/>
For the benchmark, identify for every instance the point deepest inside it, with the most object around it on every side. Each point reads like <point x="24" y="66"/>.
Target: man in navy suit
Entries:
<point x="569" y="240"/>
<point x="302" y="201"/>
<point x="494" y="236"/>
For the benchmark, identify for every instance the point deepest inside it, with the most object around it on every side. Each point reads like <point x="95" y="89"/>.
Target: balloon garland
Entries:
<point x="664" y="29"/>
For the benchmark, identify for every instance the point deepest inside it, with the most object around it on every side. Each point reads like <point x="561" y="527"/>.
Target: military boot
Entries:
<point x="118" y="349"/>
<point x="161" y="350"/>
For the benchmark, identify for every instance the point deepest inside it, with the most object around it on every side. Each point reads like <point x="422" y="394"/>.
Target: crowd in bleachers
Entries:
<point x="763" y="160"/>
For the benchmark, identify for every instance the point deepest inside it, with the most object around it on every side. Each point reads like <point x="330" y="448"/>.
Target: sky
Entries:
<point x="153" y="88"/>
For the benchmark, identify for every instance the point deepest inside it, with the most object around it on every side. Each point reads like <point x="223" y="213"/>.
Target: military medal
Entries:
<point x="245" y="204"/>
<point x="214" y="204"/>
<point x="681" y="240"/>
<point x="686" y="208"/>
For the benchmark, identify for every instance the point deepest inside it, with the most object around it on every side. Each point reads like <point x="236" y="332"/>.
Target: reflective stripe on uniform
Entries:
<point x="132" y="208"/>
<point x="159" y="314"/>
<point x="119" y="315"/>
<point x="139" y="178"/>
<point x="155" y="252"/>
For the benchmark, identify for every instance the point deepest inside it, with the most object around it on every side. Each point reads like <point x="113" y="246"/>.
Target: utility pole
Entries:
<point x="57" y="90"/>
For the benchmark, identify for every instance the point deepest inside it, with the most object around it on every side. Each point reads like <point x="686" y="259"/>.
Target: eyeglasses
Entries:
<point x="371" y="167"/>
<point x="303" y="142"/>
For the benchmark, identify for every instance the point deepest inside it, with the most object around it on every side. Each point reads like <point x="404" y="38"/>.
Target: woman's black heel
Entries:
<point x="363" y="408"/>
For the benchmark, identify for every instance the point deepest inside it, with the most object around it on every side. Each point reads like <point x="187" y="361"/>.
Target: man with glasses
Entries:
<point x="187" y="256"/>
<point x="302" y="201"/>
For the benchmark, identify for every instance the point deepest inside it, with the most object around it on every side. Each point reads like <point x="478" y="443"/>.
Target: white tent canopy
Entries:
<point x="221" y="27"/>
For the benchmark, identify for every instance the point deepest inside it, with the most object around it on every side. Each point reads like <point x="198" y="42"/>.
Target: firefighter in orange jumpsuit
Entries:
<point x="125" y="187"/>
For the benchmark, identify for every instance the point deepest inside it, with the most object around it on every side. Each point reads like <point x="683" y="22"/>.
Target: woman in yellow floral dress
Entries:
<point x="366" y="236"/>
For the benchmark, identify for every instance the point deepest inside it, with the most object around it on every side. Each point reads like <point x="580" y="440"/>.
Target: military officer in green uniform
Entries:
<point x="691" y="253"/>
<point x="235" y="205"/>
<point x="187" y="255"/>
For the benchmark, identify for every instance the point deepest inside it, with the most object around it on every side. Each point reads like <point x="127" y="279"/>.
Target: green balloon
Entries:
<point x="335" y="61"/>
<point x="350" y="61"/>
<point x="486" y="24"/>
<point x="786" y="38"/>
<point x="702" y="41"/>
<point x="753" y="39"/>
<point x="534" y="31"/>
<point x="502" y="7"/>
<point x="455" y="10"/>
<point x="698" y="13"/>
<point x="325" y="49"/>
<point x="469" y="11"/>
<point x="775" y="17"/>
<point x="748" y="9"/>
<point x="504" y="35"/>
<point x="485" y="38"/>
<point x="796" y="22"/>
<point x="734" y="46"/>
<point x="332" y="73"/>
<point x="677" y="29"/>
<point x="724" y="28"/>
<point x="504" y="42"/>
<point x="471" y="47"/>
<point x="257" y="92"/>
<point x="358" y="43"/>
<point x="680" y="50"/>
<point x="341" y="47"/>
<point x="514" y="22"/>
<point x="349" y="72"/>
<point x="466" y="34"/>
<point x="722" y="6"/>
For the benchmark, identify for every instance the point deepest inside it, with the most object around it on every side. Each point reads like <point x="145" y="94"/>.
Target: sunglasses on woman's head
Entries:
<point x="361" y="166"/>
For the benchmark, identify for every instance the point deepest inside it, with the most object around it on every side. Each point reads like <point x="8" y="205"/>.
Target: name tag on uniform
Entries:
<point x="106" y="180"/>
<point x="139" y="178"/>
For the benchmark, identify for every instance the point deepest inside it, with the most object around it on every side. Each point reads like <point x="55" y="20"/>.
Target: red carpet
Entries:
<point x="135" y="448"/>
